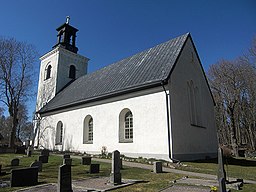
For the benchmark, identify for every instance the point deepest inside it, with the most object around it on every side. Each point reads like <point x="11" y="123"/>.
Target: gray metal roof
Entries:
<point x="142" y="70"/>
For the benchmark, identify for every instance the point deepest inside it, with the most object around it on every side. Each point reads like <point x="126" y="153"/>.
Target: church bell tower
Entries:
<point x="60" y="66"/>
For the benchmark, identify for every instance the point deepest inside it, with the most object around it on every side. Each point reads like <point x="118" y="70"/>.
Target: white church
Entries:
<point x="154" y="104"/>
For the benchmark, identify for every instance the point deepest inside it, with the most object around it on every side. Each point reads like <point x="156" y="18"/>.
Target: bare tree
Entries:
<point x="16" y="72"/>
<point x="233" y="84"/>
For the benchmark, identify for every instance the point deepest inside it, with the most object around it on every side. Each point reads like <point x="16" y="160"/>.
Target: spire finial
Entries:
<point x="67" y="19"/>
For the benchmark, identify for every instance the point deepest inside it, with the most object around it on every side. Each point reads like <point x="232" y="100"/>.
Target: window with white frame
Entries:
<point x="126" y="126"/>
<point x="88" y="130"/>
<point x="59" y="133"/>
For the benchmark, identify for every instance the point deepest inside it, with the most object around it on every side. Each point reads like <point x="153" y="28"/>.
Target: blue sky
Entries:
<point x="110" y="30"/>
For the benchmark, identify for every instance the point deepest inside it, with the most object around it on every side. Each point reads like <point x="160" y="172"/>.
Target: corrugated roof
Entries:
<point x="141" y="70"/>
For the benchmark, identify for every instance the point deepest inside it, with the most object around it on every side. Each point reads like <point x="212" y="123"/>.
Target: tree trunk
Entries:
<point x="233" y="132"/>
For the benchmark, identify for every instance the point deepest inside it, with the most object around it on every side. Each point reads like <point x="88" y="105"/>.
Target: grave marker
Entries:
<point x="45" y="152"/>
<point x="43" y="158"/>
<point x="64" y="179"/>
<point x="66" y="156"/>
<point x="24" y="177"/>
<point x="15" y="162"/>
<point x="115" y="176"/>
<point x="94" y="168"/>
<point x="157" y="167"/>
<point x="221" y="171"/>
<point x="67" y="161"/>
<point x="86" y="160"/>
<point x="37" y="164"/>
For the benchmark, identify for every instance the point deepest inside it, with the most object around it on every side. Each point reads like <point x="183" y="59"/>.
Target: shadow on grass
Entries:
<point x="229" y="161"/>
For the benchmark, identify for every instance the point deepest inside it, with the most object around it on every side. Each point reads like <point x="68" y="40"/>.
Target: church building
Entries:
<point x="154" y="104"/>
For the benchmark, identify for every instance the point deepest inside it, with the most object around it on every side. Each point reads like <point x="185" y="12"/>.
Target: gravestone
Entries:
<point x="64" y="179"/>
<point x="115" y="176"/>
<point x="15" y="162"/>
<point x="45" y="152"/>
<point x="66" y="156"/>
<point x="24" y="177"/>
<point x="221" y="171"/>
<point x="86" y="160"/>
<point x="94" y="168"/>
<point x="37" y="164"/>
<point x="43" y="158"/>
<point x="67" y="161"/>
<point x="0" y="169"/>
<point x="157" y="167"/>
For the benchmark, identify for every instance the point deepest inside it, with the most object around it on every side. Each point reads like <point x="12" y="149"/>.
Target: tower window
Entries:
<point x="48" y="71"/>
<point x="72" y="72"/>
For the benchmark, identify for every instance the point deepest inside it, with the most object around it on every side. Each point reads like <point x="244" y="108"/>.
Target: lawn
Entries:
<point x="151" y="181"/>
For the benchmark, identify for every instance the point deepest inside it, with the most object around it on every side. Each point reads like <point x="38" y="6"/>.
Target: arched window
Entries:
<point x="48" y="72"/>
<point x="125" y="126"/>
<point x="88" y="130"/>
<point x="72" y="72"/>
<point x="195" y="106"/>
<point x="59" y="133"/>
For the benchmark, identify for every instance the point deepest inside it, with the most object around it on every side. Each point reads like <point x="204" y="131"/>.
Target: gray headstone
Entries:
<point x="43" y="158"/>
<point x="86" y="160"/>
<point x="221" y="170"/>
<point x="64" y="179"/>
<point x="15" y="162"/>
<point x="45" y="152"/>
<point x="37" y="164"/>
<point x="66" y="156"/>
<point x="67" y="161"/>
<point x="157" y="167"/>
<point x="24" y="177"/>
<point x="115" y="176"/>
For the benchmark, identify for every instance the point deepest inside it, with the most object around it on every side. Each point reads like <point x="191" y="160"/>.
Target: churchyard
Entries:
<point x="149" y="181"/>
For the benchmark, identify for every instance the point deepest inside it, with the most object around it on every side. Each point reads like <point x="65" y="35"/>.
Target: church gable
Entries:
<point x="143" y="70"/>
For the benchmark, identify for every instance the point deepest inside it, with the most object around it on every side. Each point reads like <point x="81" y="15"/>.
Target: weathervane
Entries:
<point x="67" y="19"/>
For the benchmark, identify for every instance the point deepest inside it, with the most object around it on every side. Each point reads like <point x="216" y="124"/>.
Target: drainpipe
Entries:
<point x="168" y="121"/>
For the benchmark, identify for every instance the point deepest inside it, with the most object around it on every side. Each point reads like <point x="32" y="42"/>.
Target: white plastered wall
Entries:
<point x="191" y="142"/>
<point x="149" y="118"/>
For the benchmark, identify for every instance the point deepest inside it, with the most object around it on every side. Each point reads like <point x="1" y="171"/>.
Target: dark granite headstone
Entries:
<point x="64" y="179"/>
<point x="21" y="150"/>
<point x="157" y="167"/>
<point x="86" y="160"/>
<point x="24" y="177"/>
<point x="115" y="176"/>
<point x="15" y="162"/>
<point x="37" y="164"/>
<point x="66" y="156"/>
<point x="67" y="161"/>
<point x="43" y="158"/>
<point x="94" y="168"/>
<point x="45" y="152"/>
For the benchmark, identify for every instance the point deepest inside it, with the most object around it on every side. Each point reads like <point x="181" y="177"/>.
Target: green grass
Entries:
<point x="151" y="181"/>
<point x="235" y="167"/>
